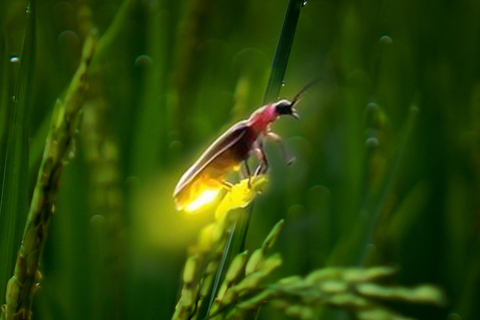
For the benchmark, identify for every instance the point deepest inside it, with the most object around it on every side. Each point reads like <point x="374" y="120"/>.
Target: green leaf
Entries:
<point x="284" y="45"/>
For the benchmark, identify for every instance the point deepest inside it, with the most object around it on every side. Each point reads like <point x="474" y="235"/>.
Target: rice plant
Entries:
<point x="105" y="104"/>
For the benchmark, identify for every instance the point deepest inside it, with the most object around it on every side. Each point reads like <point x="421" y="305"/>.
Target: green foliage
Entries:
<point x="14" y="155"/>
<point x="59" y="149"/>
<point x="373" y="183"/>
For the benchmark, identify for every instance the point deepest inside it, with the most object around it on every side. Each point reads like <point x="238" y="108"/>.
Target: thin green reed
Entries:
<point x="277" y="72"/>
<point x="6" y="70"/>
<point x="237" y="238"/>
<point x="282" y="52"/>
<point x="372" y="215"/>
<point x="14" y="197"/>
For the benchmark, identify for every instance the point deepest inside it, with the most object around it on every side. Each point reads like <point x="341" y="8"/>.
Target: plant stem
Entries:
<point x="282" y="52"/>
<point x="236" y="242"/>
<point x="279" y="66"/>
<point x="59" y="149"/>
<point x="373" y="214"/>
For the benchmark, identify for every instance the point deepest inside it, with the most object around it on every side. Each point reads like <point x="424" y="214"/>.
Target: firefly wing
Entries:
<point x="233" y="135"/>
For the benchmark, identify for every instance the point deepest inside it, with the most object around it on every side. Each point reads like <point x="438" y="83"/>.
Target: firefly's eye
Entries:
<point x="284" y="107"/>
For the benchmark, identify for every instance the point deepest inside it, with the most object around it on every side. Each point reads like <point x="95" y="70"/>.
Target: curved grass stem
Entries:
<point x="59" y="149"/>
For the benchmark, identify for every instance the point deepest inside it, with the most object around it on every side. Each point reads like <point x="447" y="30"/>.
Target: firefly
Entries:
<point x="204" y="180"/>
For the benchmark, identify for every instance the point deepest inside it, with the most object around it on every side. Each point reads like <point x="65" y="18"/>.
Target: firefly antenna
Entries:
<point x="305" y="88"/>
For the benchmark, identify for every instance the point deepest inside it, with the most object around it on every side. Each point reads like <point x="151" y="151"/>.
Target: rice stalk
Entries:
<point x="205" y="256"/>
<point x="59" y="149"/>
<point x="245" y="290"/>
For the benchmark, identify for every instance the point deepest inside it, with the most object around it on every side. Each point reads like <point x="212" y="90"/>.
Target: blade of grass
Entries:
<point x="236" y="242"/>
<point x="113" y="34"/>
<point x="373" y="215"/>
<point x="355" y="249"/>
<point x="5" y="96"/>
<point x="279" y="66"/>
<point x="151" y="134"/>
<point x="14" y="197"/>
<point x="282" y="52"/>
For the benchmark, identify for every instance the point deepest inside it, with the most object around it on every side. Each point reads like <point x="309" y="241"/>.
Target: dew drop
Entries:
<point x="454" y="316"/>
<point x="143" y="61"/>
<point x="372" y="142"/>
<point x="283" y="83"/>
<point x="372" y="106"/>
<point x="176" y="146"/>
<point x="304" y="3"/>
<point x="97" y="220"/>
<point x="27" y="10"/>
<point x="385" y="39"/>
<point x="371" y="247"/>
<point x="14" y="59"/>
<point x="52" y="209"/>
<point x="71" y="153"/>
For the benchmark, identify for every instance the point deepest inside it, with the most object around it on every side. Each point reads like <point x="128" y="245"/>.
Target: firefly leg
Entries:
<point x="245" y="170"/>
<point x="276" y="138"/>
<point x="227" y="184"/>
<point x="248" y="173"/>
<point x="262" y="158"/>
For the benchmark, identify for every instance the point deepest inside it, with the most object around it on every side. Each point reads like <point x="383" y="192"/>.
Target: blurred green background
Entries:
<point x="375" y="181"/>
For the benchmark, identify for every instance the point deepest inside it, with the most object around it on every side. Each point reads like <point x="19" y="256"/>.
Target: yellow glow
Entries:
<point x="241" y="194"/>
<point x="205" y="197"/>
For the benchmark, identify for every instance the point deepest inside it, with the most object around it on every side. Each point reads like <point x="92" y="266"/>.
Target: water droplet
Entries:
<point x="283" y="83"/>
<point x="27" y="10"/>
<point x="304" y="3"/>
<point x="52" y="209"/>
<point x="68" y="41"/>
<point x="71" y="153"/>
<point x="414" y="109"/>
<point x="454" y="316"/>
<point x="14" y="59"/>
<point x="386" y="39"/>
<point x="372" y="106"/>
<point x="97" y="220"/>
<point x="143" y="61"/>
<point x="372" y="142"/>
<point x="13" y="98"/>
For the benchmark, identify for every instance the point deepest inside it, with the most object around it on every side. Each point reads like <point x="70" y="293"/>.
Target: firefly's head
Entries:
<point x="264" y="116"/>
<point x="285" y="107"/>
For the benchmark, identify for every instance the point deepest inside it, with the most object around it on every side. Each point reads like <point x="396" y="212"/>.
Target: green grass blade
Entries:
<point x="14" y="197"/>
<point x="151" y="133"/>
<point x="373" y="216"/>
<point x="279" y="64"/>
<point x="236" y="242"/>
<point x="5" y="98"/>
